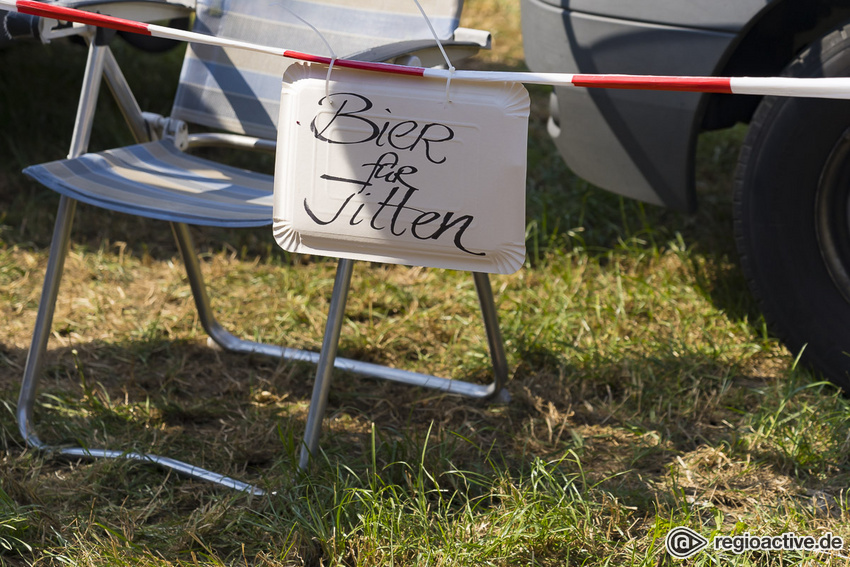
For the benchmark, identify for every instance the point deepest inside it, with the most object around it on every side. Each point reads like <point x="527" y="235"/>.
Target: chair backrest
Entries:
<point x="239" y="91"/>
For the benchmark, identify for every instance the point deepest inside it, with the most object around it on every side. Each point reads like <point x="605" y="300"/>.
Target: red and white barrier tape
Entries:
<point x="838" y="87"/>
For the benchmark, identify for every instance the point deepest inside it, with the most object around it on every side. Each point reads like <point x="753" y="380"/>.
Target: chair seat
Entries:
<point x="139" y="179"/>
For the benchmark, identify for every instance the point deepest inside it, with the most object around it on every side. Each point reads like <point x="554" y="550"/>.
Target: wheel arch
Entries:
<point x="765" y="46"/>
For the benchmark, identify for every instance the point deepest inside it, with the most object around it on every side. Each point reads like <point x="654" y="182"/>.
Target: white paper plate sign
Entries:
<point x="382" y="168"/>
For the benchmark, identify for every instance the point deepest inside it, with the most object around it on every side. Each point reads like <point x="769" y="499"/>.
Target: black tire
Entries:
<point x="792" y="213"/>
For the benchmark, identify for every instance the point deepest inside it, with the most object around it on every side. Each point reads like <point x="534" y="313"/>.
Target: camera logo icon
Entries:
<point x="684" y="542"/>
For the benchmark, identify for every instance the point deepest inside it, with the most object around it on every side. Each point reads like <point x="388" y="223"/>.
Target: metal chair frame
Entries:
<point x="102" y="64"/>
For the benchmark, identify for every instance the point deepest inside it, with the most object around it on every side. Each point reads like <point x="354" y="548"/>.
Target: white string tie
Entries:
<point x="443" y="51"/>
<point x="330" y="50"/>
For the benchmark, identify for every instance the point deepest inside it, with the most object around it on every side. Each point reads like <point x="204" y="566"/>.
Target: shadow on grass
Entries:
<point x="628" y="431"/>
<point x="627" y="419"/>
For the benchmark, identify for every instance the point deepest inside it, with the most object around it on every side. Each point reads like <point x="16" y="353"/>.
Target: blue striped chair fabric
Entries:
<point x="156" y="180"/>
<point x="236" y="91"/>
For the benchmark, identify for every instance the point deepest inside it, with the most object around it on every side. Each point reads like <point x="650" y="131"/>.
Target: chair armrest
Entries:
<point x="16" y="26"/>
<point x="465" y="43"/>
<point x="224" y="140"/>
<point x="482" y="38"/>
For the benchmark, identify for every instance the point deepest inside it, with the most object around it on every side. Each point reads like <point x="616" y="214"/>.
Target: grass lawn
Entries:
<point x="647" y="392"/>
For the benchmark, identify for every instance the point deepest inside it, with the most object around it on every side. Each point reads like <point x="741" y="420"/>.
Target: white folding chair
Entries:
<point x="236" y="92"/>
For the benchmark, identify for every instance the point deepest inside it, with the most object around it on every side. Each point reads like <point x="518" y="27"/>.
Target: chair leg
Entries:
<point x="494" y="338"/>
<point x="59" y="246"/>
<point x="226" y="340"/>
<point x="324" y="370"/>
<point x="494" y="391"/>
<point x="326" y="360"/>
<point x="32" y="370"/>
<point x="218" y="334"/>
<point x="330" y="343"/>
<point x="44" y="319"/>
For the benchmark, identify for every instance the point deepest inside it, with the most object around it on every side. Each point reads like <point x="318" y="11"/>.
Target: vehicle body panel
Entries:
<point x="720" y="15"/>
<point x="636" y="143"/>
